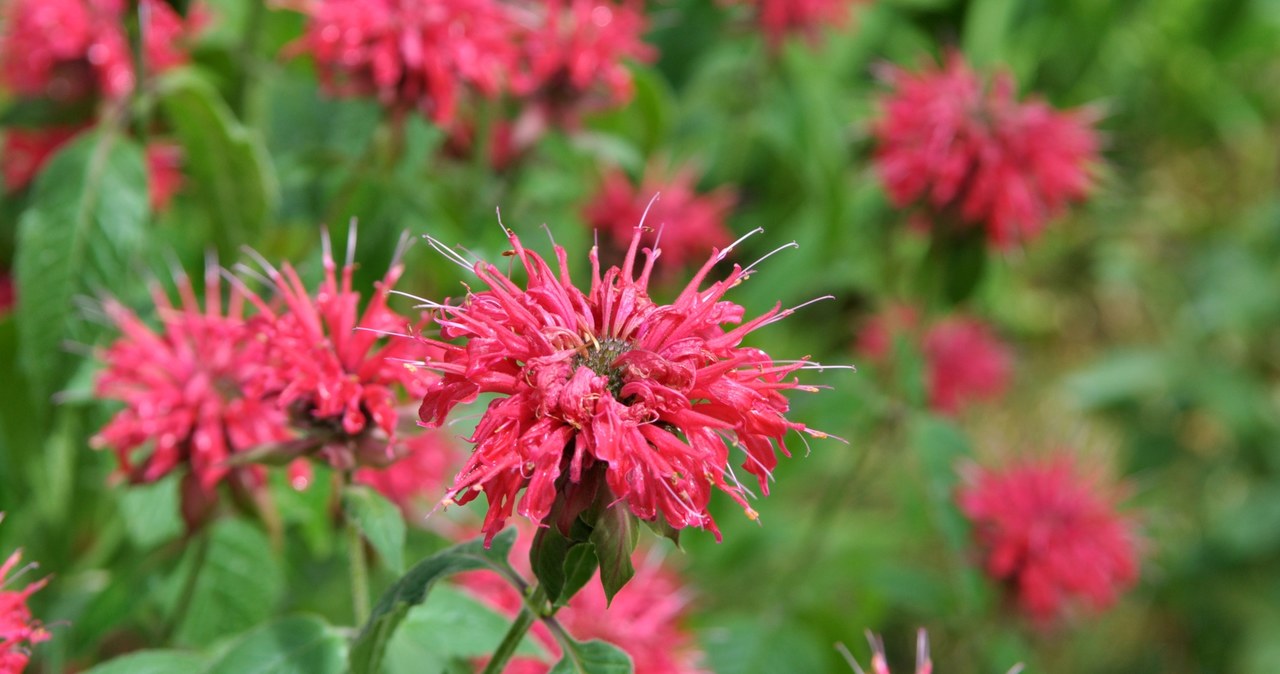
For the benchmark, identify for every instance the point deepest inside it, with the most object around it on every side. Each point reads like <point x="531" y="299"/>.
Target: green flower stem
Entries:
<point x="511" y="641"/>
<point x="359" y="572"/>
<point x="183" y="607"/>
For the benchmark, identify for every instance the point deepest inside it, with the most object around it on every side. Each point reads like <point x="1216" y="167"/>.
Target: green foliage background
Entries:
<point x="1146" y="323"/>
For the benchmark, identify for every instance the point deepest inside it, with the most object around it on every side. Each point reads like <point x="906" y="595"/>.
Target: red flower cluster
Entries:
<point x="655" y="394"/>
<point x="1052" y="534"/>
<point x="18" y="631"/>
<point x="973" y="154"/>
<point x="323" y="362"/>
<point x="73" y="51"/>
<point x="183" y="390"/>
<point x="306" y="375"/>
<point x="164" y="173"/>
<point x="410" y="53"/>
<point x="782" y="18"/>
<point x="644" y="618"/>
<point x="561" y="58"/>
<point x="70" y="50"/>
<point x="686" y="223"/>
<point x="965" y="361"/>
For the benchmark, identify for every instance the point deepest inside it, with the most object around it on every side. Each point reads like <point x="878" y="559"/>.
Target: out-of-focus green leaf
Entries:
<point x="152" y="662"/>
<point x="985" y="26"/>
<point x="451" y="625"/>
<point x="370" y="646"/>
<point x="238" y="586"/>
<point x="150" y="512"/>
<point x="296" y="645"/>
<point x="230" y="169"/>
<point x="750" y="645"/>
<point x="1122" y="377"/>
<point x="84" y="222"/>
<point x="593" y="657"/>
<point x="380" y="521"/>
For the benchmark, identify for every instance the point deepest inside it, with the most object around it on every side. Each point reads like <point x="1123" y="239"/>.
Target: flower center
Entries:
<point x="599" y="358"/>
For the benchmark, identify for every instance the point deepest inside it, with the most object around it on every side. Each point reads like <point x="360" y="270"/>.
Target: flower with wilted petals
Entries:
<point x="655" y="395"/>
<point x="1052" y="534"/>
<point x="574" y="58"/>
<point x="972" y="153"/>
<point x="330" y="365"/>
<point x="18" y="630"/>
<point x="644" y="619"/>
<point x="410" y="53"/>
<point x="419" y="476"/>
<point x="685" y="222"/>
<point x="780" y="19"/>
<point x="26" y="151"/>
<point x="183" y="389"/>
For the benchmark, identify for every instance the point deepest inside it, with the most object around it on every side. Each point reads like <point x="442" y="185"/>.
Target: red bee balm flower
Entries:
<point x="656" y="394"/>
<point x="781" y="18"/>
<point x="686" y="222"/>
<point x="164" y="173"/>
<point x="1052" y="534"/>
<point x="183" y="391"/>
<point x="410" y="53"/>
<point x="973" y="153"/>
<point x="967" y="363"/>
<point x="323" y="362"/>
<point x="68" y="50"/>
<point x="18" y="631"/>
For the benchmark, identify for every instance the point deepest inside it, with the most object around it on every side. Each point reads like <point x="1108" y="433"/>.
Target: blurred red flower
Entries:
<point x="410" y="53"/>
<point x="27" y="149"/>
<point x="164" y="173"/>
<point x="972" y="153"/>
<point x="780" y="19"/>
<point x="608" y="381"/>
<point x="18" y="630"/>
<point x="684" y="222"/>
<point x="419" y="477"/>
<point x="331" y="366"/>
<point x="8" y="294"/>
<point x="644" y="618"/>
<point x="71" y="50"/>
<point x="1052" y="534"/>
<point x="183" y="390"/>
<point x="965" y="361"/>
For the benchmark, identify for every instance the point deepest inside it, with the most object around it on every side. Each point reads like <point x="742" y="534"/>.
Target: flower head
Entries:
<point x="184" y="391"/>
<point x="26" y="151"/>
<point x="18" y="630"/>
<point x="70" y="50"/>
<point x="410" y="53"/>
<point x="1051" y="534"/>
<point x="780" y="19"/>
<point x="971" y="152"/>
<point x="574" y="57"/>
<point x="330" y="365"/>
<point x="685" y="223"/>
<point x="644" y="619"/>
<point x="965" y="361"/>
<point x="655" y="395"/>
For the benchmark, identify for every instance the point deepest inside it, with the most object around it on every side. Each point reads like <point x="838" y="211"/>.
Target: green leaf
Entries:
<point x="593" y="657"/>
<point x="615" y="536"/>
<point x="580" y="565"/>
<point x="663" y="528"/>
<point x="230" y="169"/>
<point x="547" y="557"/>
<point x="953" y="266"/>
<point x="380" y="521"/>
<point x="411" y="590"/>
<point x="239" y="584"/>
<point x="450" y="626"/>
<point x="85" y="220"/>
<point x="151" y="513"/>
<point x="301" y="645"/>
<point x="986" y="24"/>
<point x="152" y="662"/>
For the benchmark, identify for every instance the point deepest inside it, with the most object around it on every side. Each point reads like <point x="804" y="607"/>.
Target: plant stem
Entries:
<point x="183" y="607"/>
<point x="359" y="572"/>
<point x="516" y="633"/>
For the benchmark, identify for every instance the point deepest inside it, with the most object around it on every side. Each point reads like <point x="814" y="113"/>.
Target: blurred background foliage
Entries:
<point x="1146" y="326"/>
